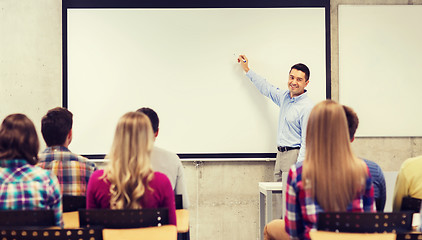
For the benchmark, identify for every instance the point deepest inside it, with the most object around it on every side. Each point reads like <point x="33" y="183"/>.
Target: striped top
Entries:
<point x="378" y="180"/>
<point x="73" y="171"/>
<point x="24" y="186"/>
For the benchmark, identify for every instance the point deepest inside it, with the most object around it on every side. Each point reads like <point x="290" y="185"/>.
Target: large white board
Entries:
<point x="183" y="64"/>
<point x="380" y="67"/>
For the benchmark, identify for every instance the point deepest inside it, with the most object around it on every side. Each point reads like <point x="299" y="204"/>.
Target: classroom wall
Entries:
<point x="388" y="152"/>
<point x="223" y="195"/>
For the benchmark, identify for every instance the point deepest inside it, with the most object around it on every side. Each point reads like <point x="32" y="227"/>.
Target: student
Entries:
<point x="409" y="182"/>
<point x="318" y="184"/>
<point x="295" y="107"/>
<point x="167" y="162"/>
<point x="128" y="182"/>
<point x="23" y="185"/>
<point x="377" y="176"/>
<point x="73" y="171"/>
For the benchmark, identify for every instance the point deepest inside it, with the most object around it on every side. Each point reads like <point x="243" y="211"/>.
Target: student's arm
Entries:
<point x="97" y="193"/>
<point x="400" y="191"/>
<point x="368" y="197"/>
<point x="168" y="198"/>
<point x="382" y="189"/>
<point x="55" y="199"/>
<point x="90" y="169"/>
<point x="180" y="187"/>
<point x="293" y="219"/>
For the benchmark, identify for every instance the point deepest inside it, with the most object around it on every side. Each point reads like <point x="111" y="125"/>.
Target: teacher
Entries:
<point x="295" y="107"/>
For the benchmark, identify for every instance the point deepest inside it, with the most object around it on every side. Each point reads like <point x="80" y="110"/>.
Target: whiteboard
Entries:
<point x="380" y="67"/>
<point x="183" y="64"/>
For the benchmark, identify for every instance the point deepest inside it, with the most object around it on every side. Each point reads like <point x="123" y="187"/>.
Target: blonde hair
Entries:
<point x="129" y="170"/>
<point x="330" y="170"/>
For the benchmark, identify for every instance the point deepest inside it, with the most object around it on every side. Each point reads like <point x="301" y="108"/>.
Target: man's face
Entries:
<point x="297" y="82"/>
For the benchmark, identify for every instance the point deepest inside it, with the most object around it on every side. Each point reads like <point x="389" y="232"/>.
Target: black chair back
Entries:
<point x="409" y="236"/>
<point x="127" y="218"/>
<point x="411" y="204"/>
<point x="73" y="203"/>
<point x="44" y="218"/>
<point x="365" y="222"/>
<point x="178" y="198"/>
<point x="53" y="234"/>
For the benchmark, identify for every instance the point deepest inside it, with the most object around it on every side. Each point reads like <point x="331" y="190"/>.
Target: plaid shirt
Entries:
<point x="72" y="171"/>
<point x="24" y="186"/>
<point x="302" y="210"/>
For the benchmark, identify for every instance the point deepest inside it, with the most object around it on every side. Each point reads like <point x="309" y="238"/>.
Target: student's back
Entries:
<point x="73" y="171"/>
<point x="128" y="182"/>
<point x="409" y="181"/>
<point x="320" y="183"/>
<point x="23" y="185"/>
<point x="167" y="162"/>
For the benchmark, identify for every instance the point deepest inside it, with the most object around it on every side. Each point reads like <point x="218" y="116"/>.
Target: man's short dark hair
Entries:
<point x="56" y="125"/>
<point x="302" y="67"/>
<point x="352" y="120"/>
<point x="153" y="117"/>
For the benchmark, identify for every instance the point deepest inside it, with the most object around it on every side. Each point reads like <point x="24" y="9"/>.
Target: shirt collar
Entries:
<point x="300" y="97"/>
<point x="13" y="163"/>
<point x="56" y="149"/>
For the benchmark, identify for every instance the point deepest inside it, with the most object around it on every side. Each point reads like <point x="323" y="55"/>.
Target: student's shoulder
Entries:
<point x="40" y="174"/>
<point x="295" y="171"/>
<point x="159" y="176"/>
<point x="161" y="153"/>
<point x="412" y="162"/>
<point x="97" y="174"/>
<point x="160" y="150"/>
<point x="372" y="165"/>
<point x="160" y="179"/>
<point x="84" y="161"/>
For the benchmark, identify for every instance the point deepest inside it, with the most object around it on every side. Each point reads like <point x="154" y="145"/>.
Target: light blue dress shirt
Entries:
<point x="294" y="113"/>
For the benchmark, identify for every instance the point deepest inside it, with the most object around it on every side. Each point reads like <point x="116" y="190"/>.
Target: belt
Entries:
<point x="284" y="149"/>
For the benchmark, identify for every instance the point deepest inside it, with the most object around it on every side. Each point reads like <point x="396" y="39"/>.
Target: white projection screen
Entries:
<point x="182" y="62"/>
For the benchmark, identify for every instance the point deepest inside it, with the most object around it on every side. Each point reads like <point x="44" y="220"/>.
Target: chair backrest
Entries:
<point x="409" y="236"/>
<point x="365" y="222"/>
<point x="53" y="234"/>
<point x="27" y="218"/>
<point x="411" y="204"/>
<point x="73" y="203"/>
<point x="127" y="218"/>
<point x="178" y="198"/>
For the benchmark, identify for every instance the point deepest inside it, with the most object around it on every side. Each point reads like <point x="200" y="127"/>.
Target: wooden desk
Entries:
<point x="323" y="235"/>
<point x="416" y="221"/>
<point x="166" y="232"/>
<point x="71" y="219"/>
<point x="182" y="217"/>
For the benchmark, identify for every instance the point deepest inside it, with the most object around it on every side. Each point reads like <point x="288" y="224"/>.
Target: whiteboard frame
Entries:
<point x="71" y="4"/>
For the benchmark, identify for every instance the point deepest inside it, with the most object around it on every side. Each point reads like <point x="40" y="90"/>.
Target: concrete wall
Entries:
<point x="223" y="195"/>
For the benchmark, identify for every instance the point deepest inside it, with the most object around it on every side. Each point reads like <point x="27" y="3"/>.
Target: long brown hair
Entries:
<point x="129" y="170"/>
<point x="18" y="139"/>
<point x="330" y="170"/>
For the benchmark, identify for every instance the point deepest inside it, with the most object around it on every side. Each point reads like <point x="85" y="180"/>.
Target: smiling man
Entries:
<point x="295" y="107"/>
